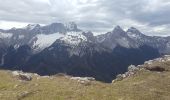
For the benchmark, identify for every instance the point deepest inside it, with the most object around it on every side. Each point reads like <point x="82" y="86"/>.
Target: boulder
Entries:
<point x="133" y="68"/>
<point x="83" y="80"/>
<point x="22" y="76"/>
<point x="119" y="77"/>
<point x="148" y="62"/>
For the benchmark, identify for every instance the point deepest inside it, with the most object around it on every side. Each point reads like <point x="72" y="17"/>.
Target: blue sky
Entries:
<point x="149" y="16"/>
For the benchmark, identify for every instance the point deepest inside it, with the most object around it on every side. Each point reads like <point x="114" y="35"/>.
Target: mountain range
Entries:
<point x="64" y="48"/>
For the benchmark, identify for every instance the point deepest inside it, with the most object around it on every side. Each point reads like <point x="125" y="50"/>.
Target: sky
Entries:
<point x="152" y="17"/>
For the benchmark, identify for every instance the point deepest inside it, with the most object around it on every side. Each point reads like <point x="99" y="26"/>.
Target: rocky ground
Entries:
<point x="150" y="81"/>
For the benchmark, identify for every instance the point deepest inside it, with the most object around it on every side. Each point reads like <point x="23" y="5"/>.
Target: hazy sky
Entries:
<point x="150" y="16"/>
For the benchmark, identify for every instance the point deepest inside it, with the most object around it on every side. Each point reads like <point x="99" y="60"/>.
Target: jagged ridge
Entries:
<point x="64" y="48"/>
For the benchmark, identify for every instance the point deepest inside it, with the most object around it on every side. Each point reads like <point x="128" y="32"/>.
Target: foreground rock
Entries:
<point x="83" y="80"/>
<point x="22" y="76"/>
<point x="132" y="70"/>
<point x="148" y="65"/>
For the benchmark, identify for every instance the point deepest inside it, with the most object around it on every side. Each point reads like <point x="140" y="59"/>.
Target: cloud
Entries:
<point x="9" y="24"/>
<point x="151" y="17"/>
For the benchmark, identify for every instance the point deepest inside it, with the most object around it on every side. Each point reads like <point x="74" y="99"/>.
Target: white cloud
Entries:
<point x="9" y="24"/>
<point x="96" y="15"/>
<point x="154" y="5"/>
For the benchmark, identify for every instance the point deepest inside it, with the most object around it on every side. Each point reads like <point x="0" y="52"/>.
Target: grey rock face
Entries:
<point x="161" y="43"/>
<point x="71" y="26"/>
<point x="117" y="37"/>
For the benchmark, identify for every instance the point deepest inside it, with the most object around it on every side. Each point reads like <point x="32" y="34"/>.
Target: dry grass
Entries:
<point x="145" y="85"/>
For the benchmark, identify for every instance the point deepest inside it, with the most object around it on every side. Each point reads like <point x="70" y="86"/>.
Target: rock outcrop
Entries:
<point x="22" y="76"/>
<point x="83" y="80"/>
<point x="151" y="65"/>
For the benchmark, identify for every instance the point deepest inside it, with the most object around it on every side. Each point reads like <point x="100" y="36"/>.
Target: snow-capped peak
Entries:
<point x="73" y="38"/>
<point x="117" y="27"/>
<point x="134" y="33"/>
<point x="118" y="31"/>
<point x="134" y="30"/>
<point x="32" y="26"/>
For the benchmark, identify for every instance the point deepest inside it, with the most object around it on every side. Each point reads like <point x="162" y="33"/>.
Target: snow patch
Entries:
<point x="31" y="26"/>
<point x="2" y="59"/>
<point x="168" y="44"/>
<point x="44" y="40"/>
<point x="123" y="42"/>
<point x="101" y="39"/>
<point x="74" y="38"/>
<point x="21" y="36"/>
<point x="16" y="46"/>
<point x="133" y="35"/>
<point x="5" y="35"/>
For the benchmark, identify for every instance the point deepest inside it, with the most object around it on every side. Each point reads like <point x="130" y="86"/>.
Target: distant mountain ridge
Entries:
<point x="65" y="48"/>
